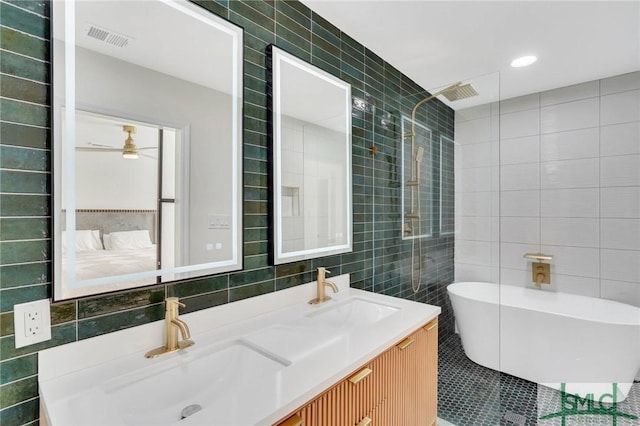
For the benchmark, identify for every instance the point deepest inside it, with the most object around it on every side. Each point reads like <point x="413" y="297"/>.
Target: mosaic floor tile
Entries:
<point x="472" y="395"/>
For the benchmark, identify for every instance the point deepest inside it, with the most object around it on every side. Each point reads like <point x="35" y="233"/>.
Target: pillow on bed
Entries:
<point x="86" y="240"/>
<point x="127" y="240"/>
<point x="106" y="241"/>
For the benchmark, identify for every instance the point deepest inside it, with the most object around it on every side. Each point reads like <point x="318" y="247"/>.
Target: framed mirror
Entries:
<point x="311" y="147"/>
<point x="147" y="148"/>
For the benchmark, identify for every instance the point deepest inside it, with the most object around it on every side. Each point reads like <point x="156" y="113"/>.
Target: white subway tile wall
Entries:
<point x="569" y="185"/>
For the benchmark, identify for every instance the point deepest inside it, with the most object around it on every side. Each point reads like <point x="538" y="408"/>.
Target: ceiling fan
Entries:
<point x="129" y="151"/>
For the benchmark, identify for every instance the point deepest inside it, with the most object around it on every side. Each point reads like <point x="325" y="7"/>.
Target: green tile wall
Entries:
<point x="380" y="261"/>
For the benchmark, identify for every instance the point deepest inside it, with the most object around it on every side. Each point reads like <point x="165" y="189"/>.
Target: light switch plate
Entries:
<point x="32" y="322"/>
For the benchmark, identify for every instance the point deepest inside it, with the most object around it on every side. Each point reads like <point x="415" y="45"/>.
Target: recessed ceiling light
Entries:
<point x="523" y="61"/>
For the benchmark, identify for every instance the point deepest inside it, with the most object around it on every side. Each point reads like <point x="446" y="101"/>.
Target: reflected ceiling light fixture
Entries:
<point x="524" y="61"/>
<point x="129" y="151"/>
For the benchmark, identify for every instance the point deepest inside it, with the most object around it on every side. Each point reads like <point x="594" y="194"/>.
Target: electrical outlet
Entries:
<point x="32" y="322"/>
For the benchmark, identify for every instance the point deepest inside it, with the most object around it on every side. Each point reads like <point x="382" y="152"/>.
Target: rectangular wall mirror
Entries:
<point x="311" y="143"/>
<point x="147" y="125"/>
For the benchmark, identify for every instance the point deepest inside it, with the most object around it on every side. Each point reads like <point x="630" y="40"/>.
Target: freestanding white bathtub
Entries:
<point x="549" y="338"/>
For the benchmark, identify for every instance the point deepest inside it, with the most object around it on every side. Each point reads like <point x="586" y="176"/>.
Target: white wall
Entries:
<point x="569" y="181"/>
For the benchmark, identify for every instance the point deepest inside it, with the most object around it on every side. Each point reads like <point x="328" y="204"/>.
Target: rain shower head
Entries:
<point x="459" y="91"/>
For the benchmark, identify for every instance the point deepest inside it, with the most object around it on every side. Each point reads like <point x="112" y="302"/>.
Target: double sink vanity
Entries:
<point x="357" y="358"/>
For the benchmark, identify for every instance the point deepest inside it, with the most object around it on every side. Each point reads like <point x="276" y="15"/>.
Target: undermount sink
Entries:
<point x="353" y="313"/>
<point x="207" y="381"/>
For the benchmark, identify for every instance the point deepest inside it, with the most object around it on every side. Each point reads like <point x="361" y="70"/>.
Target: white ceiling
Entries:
<point x="437" y="43"/>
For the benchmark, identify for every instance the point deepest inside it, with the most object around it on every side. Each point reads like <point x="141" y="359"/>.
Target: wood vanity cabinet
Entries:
<point x="397" y="388"/>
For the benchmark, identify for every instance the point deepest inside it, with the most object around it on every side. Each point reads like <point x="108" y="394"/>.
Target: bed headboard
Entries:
<point x="113" y="220"/>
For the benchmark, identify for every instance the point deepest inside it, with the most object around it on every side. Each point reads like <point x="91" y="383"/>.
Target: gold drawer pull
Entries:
<point x="294" y="420"/>
<point x="405" y="343"/>
<point x="431" y="326"/>
<point x="360" y="375"/>
<point x="365" y="422"/>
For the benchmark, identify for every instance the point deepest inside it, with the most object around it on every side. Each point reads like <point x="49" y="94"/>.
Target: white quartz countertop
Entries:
<point x="254" y="361"/>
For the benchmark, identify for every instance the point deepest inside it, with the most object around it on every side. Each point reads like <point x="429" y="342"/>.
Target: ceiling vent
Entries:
<point x="107" y="36"/>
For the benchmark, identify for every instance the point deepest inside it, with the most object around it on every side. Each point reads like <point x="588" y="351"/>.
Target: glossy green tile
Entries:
<point x="325" y="45"/>
<point x="295" y="11"/>
<point x="256" y="262"/>
<point x="255" y="207"/>
<point x="283" y="22"/>
<point x="23" y="251"/>
<point x="22" y="275"/>
<point x="319" y="53"/>
<point x="293" y="280"/>
<point x="255" y="152"/>
<point x="24" y="44"/>
<point x="21" y="20"/>
<point x="295" y="268"/>
<point x="255" y="71"/>
<point x="13" y="181"/>
<point x="102" y="305"/>
<point x="255" y="166"/>
<point x="60" y="335"/>
<point x="253" y="83"/>
<point x="6" y="324"/>
<point x="21" y="414"/>
<point x="205" y="301"/>
<point x="255" y="111"/>
<point x="23" y="113"/>
<point x="24" y="136"/>
<point x="198" y="286"/>
<point x="259" y="43"/>
<point x="244" y="292"/>
<point x="24" y="90"/>
<point x="298" y="48"/>
<point x="119" y="321"/>
<point x="255" y="194"/>
<point x="258" y="12"/>
<point x="18" y="391"/>
<point x="18" y="368"/>
<point x="218" y="8"/>
<point x="18" y="158"/>
<point x="254" y="56"/>
<point x="325" y="66"/>
<point x="353" y="72"/>
<point x="36" y="6"/>
<point x="63" y="312"/>
<point x="254" y="179"/>
<point x="325" y="29"/>
<point x="14" y="296"/>
<point x="255" y="125"/>
<point x="255" y="234"/>
<point x="255" y="98"/>
<point x="242" y="278"/>
<point x="256" y="221"/>
<point x="23" y="228"/>
<point x="255" y="138"/>
<point x="256" y="29"/>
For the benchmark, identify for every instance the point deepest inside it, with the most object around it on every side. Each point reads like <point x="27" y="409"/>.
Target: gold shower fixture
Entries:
<point x="129" y="151"/>
<point x="454" y="92"/>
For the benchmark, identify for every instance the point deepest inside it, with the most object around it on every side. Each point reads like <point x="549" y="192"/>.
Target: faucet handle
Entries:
<point x="174" y="301"/>
<point x="326" y="271"/>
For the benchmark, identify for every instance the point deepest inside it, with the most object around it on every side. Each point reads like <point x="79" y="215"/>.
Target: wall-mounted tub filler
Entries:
<point x="540" y="272"/>
<point x="171" y="326"/>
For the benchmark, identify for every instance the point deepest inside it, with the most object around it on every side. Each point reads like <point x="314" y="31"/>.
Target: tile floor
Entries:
<point x="472" y="395"/>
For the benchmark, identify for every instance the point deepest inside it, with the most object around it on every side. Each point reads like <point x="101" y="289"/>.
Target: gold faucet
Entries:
<point x="321" y="283"/>
<point x="171" y="326"/>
